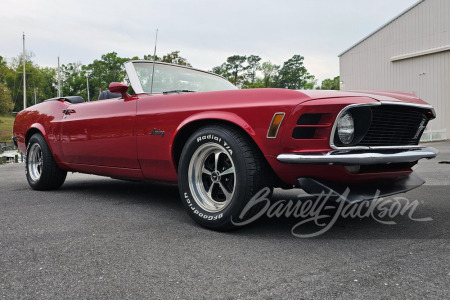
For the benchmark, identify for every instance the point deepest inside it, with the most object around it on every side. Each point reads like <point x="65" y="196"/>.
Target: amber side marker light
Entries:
<point x="275" y="125"/>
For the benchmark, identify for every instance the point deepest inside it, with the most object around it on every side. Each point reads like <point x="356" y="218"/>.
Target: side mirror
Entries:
<point x="119" y="88"/>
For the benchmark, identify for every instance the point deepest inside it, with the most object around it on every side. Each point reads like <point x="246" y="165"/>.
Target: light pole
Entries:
<point x="59" y="79"/>
<point x="87" y="73"/>
<point x="24" y="75"/>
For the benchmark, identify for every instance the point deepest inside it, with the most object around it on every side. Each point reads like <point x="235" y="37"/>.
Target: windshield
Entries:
<point x="169" y="78"/>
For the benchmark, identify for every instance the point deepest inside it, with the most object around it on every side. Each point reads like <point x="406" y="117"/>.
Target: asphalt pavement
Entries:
<point x="101" y="238"/>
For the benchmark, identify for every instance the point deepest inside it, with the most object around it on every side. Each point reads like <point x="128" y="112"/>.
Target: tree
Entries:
<point x="41" y="81"/>
<point x="235" y="65"/>
<point x="113" y="67"/>
<point x="257" y="84"/>
<point x="48" y="89"/>
<point x="150" y="57"/>
<point x="73" y="80"/>
<point x="14" y="82"/>
<point x="221" y="70"/>
<point x="174" y="58"/>
<point x="293" y="74"/>
<point x="171" y="57"/>
<point x="331" y="84"/>
<point x="253" y="65"/>
<point x="310" y="83"/>
<point x="3" y="69"/>
<point x="270" y="72"/>
<point x="104" y="71"/>
<point x="6" y="103"/>
<point x="2" y="62"/>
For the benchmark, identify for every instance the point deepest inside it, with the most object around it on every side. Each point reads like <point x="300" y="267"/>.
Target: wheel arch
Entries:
<point x="190" y="125"/>
<point x="35" y="128"/>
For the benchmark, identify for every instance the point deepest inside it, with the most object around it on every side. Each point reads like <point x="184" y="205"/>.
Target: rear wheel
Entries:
<point x="41" y="169"/>
<point x="220" y="170"/>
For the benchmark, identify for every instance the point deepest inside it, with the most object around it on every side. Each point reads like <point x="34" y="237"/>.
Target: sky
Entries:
<point x="205" y="32"/>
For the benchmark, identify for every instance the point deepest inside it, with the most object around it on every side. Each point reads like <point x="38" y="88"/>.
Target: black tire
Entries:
<point x="40" y="167"/>
<point x="220" y="170"/>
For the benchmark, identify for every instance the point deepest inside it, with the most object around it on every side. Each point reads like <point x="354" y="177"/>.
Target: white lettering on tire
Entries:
<point x="201" y="214"/>
<point x="217" y="139"/>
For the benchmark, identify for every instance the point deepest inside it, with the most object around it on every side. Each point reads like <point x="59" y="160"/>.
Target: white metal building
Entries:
<point x="411" y="53"/>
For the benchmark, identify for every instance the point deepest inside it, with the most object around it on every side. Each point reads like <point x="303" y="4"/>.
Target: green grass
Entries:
<point x="6" y="128"/>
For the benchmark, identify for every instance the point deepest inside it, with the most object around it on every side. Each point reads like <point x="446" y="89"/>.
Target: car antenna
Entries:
<point x="154" y="58"/>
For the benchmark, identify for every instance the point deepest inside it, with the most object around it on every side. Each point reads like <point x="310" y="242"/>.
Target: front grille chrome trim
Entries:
<point x="379" y="103"/>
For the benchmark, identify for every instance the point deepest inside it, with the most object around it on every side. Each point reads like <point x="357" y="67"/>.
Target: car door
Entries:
<point x="101" y="133"/>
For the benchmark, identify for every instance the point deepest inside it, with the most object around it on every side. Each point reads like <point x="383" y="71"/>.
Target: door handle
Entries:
<point x="68" y="111"/>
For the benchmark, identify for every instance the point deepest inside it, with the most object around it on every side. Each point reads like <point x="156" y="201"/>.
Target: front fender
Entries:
<point x="218" y="115"/>
<point x="213" y="115"/>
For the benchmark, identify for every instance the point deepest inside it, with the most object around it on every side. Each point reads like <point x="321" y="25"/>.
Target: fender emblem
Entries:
<point x="157" y="132"/>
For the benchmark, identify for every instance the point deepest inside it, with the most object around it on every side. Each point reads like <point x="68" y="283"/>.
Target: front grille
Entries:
<point x="395" y="126"/>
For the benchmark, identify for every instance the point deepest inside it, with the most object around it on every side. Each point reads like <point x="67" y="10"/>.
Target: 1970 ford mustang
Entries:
<point x="223" y="145"/>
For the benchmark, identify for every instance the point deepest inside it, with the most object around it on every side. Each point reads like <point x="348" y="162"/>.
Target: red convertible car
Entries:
<point x="223" y="145"/>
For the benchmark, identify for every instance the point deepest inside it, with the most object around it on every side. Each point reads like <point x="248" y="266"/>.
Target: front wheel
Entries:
<point x="220" y="170"/>
<point x="41" y="169"/>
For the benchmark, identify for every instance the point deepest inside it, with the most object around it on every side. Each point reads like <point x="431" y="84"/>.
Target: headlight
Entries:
<point x="346" y="128"/>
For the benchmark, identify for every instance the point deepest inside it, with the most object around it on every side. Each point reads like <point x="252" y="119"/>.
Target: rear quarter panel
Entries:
<point x="44" y="118"/>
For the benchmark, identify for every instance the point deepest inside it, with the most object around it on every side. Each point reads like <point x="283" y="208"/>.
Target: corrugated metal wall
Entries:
<point x="394" y="59"/>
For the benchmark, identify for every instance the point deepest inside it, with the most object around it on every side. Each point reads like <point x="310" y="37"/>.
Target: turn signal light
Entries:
<point x="275" y="125"/>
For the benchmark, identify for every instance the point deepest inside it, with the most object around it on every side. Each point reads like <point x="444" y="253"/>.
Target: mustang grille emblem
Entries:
<point x="157" y="132"/>
<point x="421" y="127"/>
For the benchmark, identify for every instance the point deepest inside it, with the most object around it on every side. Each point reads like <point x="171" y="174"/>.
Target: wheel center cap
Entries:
<point x="215" y="176"/>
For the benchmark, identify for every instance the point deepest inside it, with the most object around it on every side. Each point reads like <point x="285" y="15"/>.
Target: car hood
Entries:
<point x="278" y="96"/>
<point x="376" y="95"/>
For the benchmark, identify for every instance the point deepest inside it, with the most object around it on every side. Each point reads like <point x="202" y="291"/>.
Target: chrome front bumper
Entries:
<point x="360" y="157"/>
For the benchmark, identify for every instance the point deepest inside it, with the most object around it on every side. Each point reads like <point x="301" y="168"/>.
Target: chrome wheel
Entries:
<point x="212" y="177"/>
<point x="35" y="162"/>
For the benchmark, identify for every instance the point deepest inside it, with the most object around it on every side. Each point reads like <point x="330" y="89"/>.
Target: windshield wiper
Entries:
<point x="178" y="91"/>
